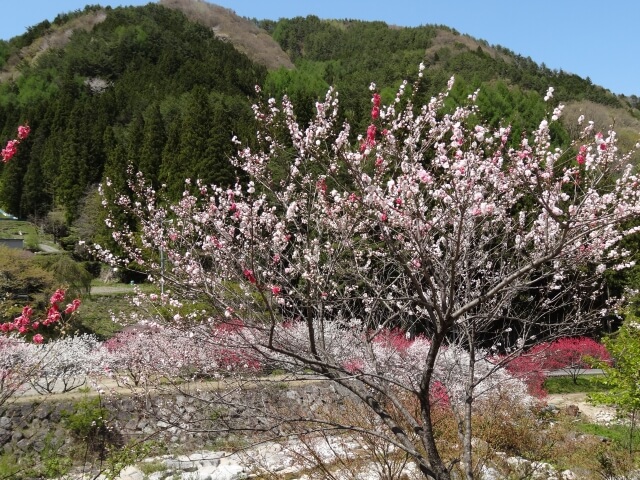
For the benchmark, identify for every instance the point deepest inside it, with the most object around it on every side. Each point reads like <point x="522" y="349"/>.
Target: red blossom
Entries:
<point x="371" y="135"/>
<point x="12" y="145"/>
<point x="248" y="274"/>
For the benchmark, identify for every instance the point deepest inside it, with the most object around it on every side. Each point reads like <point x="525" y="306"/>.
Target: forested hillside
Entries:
<point x="144" y="86"/>
<point x="162" y="87"/>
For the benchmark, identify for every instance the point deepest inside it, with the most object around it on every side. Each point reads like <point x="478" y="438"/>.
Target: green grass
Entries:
<point x="94" y="314"/>
<point x="616" y="433"/>
<point x="584" y="384"/>
<point x="12" y="228"/>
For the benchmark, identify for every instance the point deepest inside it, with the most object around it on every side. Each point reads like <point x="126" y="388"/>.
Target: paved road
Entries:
<point x="109" y="289"/>
<point x="565" y="373"/>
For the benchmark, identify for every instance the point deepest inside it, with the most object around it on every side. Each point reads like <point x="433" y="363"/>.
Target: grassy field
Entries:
<point x="584" y="384"/>
<point x="17" y="229"/>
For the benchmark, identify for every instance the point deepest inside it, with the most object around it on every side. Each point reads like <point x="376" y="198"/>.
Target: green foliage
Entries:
<point x="10" y="466"/>
<point x="615" y="433"/>
<point x="134" y="452"/>
<point x="48" y="463"/>
<point x="22" y="281"/>
<point x="71" y="275"/>
<point x="623" y="376"/>
<point x="87" y="418"/>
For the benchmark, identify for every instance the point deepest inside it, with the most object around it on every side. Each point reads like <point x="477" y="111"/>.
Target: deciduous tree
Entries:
<point x="428" y="222"/>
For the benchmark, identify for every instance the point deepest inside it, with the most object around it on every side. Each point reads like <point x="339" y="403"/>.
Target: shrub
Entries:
<point x="571" y="355"/>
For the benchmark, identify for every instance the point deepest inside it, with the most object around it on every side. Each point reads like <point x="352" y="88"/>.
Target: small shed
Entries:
<point x="17" y="243"/>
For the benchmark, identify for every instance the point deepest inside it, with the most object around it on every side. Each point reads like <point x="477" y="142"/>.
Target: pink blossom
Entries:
<point x="275" y="290"/>
<point x="37" y="338"/>
<point x="53" y="315"/>
<point x="57" y="297"/>
<point x="73" y="306"/>
<point x="23" y="131"/>
<point x="10" y="150"/>
<point x="371" y="135"/>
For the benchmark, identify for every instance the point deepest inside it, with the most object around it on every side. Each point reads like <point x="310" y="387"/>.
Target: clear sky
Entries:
<point x="595" y="39"/>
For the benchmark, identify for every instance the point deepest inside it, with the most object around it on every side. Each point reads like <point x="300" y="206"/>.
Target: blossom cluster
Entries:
<point x="17" y="366"/>
<point x="12" y="145"/>
<point x="61" y="365"/>
<point x="65" y="363"/>
<point x="25" y="324"/>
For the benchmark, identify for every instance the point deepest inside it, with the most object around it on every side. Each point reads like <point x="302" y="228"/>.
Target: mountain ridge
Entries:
<point x="166" y="86"/>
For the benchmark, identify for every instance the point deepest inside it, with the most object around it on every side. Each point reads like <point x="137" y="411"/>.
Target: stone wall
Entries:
<point x="194" y="418"/>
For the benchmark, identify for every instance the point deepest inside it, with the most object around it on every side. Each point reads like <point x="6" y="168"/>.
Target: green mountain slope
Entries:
<point x="165" y="87"/>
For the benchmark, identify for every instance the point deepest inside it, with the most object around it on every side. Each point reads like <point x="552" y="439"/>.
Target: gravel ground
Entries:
<point x="591" y="412"/>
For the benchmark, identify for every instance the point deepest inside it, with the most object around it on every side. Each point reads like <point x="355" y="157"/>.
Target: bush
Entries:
<point x="89" y="422"/>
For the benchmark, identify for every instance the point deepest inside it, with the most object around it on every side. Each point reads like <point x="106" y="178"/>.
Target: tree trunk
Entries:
<point x="428" y="435"/>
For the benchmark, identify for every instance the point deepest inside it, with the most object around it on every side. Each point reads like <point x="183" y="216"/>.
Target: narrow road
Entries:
<point x="47" y="248"/>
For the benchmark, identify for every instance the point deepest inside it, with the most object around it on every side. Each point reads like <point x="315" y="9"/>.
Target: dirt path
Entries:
<point x="591" y="412"/>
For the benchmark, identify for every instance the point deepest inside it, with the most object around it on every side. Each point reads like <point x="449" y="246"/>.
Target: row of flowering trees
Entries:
<point x="140" y="356"/>
<point x="430" y="222"/>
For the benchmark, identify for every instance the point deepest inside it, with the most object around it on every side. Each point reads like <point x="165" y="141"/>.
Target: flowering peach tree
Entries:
<point x="570" y="355"/>
<point x="24" y="360"/>
<point x="474" y="244"/>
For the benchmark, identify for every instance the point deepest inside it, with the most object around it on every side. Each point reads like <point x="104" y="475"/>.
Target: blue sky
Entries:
<point x="590" y="38"/>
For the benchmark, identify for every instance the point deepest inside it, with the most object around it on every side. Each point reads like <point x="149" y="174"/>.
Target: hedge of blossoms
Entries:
<point x="16" y="367"/>
<point x="58" y="366"/>
<point x="64" y="364"/>
<point x="150" y="353"/>
<point x="429" y="221"/>
<point x="11" y="148"/>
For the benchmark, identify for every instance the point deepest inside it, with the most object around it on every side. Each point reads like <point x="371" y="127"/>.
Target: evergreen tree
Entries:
<point x="171" y="170"/>
<point x="72" y="177"/>
<point x="153" y="141"/>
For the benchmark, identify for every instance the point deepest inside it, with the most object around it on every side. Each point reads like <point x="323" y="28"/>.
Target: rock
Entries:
<point x="5" y="423"/>
<point x="43" y="412"/>
<point x="204" y="473"/>
<point x="230" y="471"/>
<point x="131" y="473"/>
<point x="38" y="445"/>
<point x="572" y="410"/>
<point x="23" y="444"/>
